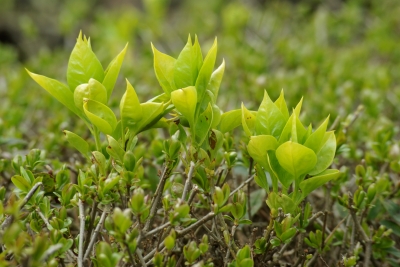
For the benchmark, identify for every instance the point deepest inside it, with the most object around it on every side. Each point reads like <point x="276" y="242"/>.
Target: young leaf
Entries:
<point x="314" y="141"/>
<point x="130" y="108"/>
<point x="230" y="120"/>
<point x="295" y="158"/>
<point x="326" y="153"/>
<point x="185" y="68"/>
<point x="281" y="104"/>
<point x="203" y="125"/>
<point x="269" y="120"/>
<point x="248" y="121"/>
<point x="112" y="71"/>
<point x="258" y="147"/>
<point x="153" y="111"/>
<point x="310" y="184"/>
<point x="197" y="55"/>
<point x="215" y="80"/>
<point x="93" y="90"/>
<point x="205" y="72"/>
<point x="83" y="65"/>
<point x="58" y="90"/>
<point x="100" y="116"/>
<point x="77" y="142"/>
<point x="185" y="101"/>
<point x="164" y="69"/>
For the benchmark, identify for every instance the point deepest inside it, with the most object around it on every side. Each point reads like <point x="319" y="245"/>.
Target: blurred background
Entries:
<point x="337" y="54"/>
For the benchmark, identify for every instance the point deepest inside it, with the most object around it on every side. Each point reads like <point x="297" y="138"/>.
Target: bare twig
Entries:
<point x="313" y="259"/>
<point x="158" y="194"/>
<point x="357" y="225"/>
<point x="140" y="256"/>
<point x="50" y="251"/>
<point x="188" y="180"/>
<point x="156" y="230"/>
<point x="242" y="185"/>
<point x="196" y="224"/>
<point x="44" y="219"/>
<point x="95" y="233"/>
<point x="30" y="194"/>
<point x="90" y="229"/>
<point x="81" y="231"/>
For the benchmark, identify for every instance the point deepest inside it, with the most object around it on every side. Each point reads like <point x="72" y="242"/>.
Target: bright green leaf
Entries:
<point x="310" y="184"/>
<point x="58" y="90"/>
<point x="269" y="120"/>
<point x="77" y="142"/>
<point x="203" y="125"/>
<point x="326" y="154"/>
<point x="185" y="68"/>
<point x="295" y="158"/>
<point x="100" y="116"/>
<point x="164" y="69"/>
<point x="83" y="65"/>
<point x="185" y="101"/>
<point x="205" y="72"/>
<point x="112" y="71"/>
<point x="215" y="80"/>
<point x="130" y="108"/>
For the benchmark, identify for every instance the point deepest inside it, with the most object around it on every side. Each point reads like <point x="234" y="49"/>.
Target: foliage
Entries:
<point x="169" y="181"/>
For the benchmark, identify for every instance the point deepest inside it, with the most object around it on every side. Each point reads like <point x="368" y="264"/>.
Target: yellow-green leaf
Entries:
<point x="100" y="116"/>
<point x="185" y="101"/>
<point x="112" y="71"/>
<point x="295" y="158"/>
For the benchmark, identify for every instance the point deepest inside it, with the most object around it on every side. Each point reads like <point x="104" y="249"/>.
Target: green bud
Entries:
<point x="129" y="161"/>
<point x="371" y="192"/>
<point x="114" y="149"/>
<point x="93" y="90"/>
<point x="360" y="171"/>
<point x="100" y="161"/>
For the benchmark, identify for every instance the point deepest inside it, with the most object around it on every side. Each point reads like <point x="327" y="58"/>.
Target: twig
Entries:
<point x="323" y="231"/>
<point x="156" y="230"/>
<point x="242" y="185"/>
<point x="278" y="255"/>
<point x="248" y="189"/>
<point x="357" y="225"/>
<point x="30" y="194"/>
<point x="230" y="243"/>
<point x="96" y="232"/>
<point x="90" y="229"/>
<point x="315" y="216"/>
<point x="50" y="251"/>
<point x="81" y="231"/>
<point x="313" y="259"/>
<point x="140" y="256"/>
<point x="48" y="225"/>
<point x="188" y="180"/>
<point x="193" y="194"/>
<point x="157" y="195"/>
<point x="196" y="224"/>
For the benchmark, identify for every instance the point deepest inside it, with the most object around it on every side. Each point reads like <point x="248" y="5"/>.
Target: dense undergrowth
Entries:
<point x="215" y="181"/>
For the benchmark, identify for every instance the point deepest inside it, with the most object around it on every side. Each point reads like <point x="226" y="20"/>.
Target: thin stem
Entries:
<point x="358" y="227"/>
<point x="95" y="233"/>
<point x="140" y="256"/>
<point x="196" y="224"/>
<point x="81" y="232"/>
<point x="50" y="251"/>
<point x="158" y="194"/>
<point x="44" y="219"/>
<point x="188" y="180"/>
<point x="30" y="194"/>
<point x="156" y="230"/>
<point x="242" y="185"/>
<point x="90" y="229"/>
<point x="96" y="135"/>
